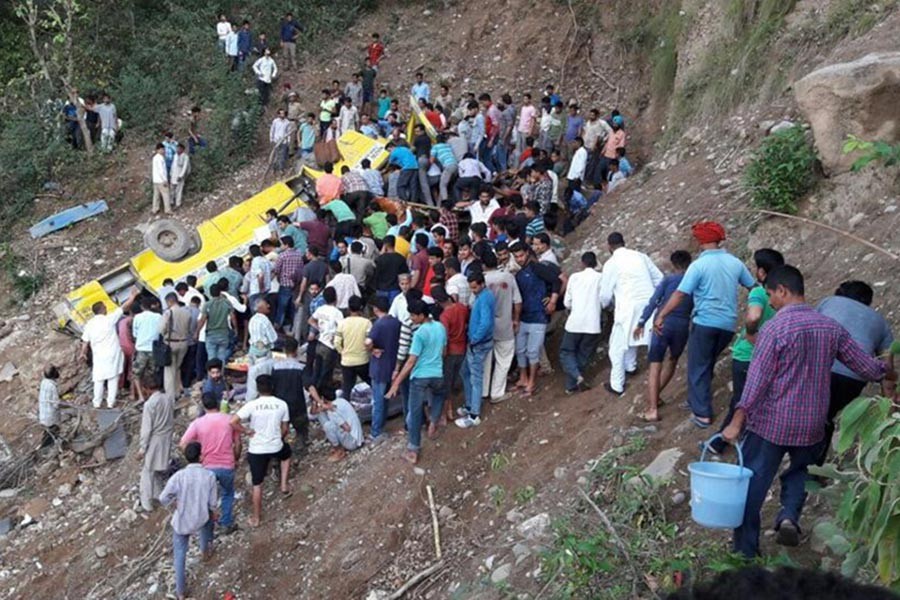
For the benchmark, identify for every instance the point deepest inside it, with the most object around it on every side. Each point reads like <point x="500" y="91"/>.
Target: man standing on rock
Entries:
<point x="629" y="280"/>
<point x="713" y="280"/>
<point x="156" y="439"/>
<point x="193" y="492"/>
<point x="102" y="339"/>
<point x="784" y="408"/>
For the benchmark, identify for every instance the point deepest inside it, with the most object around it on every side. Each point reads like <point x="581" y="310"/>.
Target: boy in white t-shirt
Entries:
<point x="268" y="429"/>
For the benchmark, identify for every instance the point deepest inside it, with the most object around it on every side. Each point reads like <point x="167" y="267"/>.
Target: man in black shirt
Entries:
<point x="388" y="266"/>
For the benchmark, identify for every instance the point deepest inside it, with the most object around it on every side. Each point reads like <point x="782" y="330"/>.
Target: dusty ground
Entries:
<point x="364" y="524"/>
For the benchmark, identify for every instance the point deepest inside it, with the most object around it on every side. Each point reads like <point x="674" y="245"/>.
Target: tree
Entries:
<point x="56" y="58"/>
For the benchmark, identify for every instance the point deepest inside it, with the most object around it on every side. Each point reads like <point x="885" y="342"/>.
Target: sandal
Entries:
<point x="701" y="424"/>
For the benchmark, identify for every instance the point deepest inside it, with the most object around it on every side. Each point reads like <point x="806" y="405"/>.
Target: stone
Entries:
<point x="856" y="220"/>
<point x="116" y="443"/>
<point x="724" y="183"/>
<point x="661" y="470"/>
<point x="128" y="516"/>
<point x="9" y="493"/>
<point x="419" y="471"/>
<point x="446" y="513"/>
<point x="535" y="527"/>
<point x="7" y="372"/>
<point x="559" y="473"/>
<point x="521" y="552"/>
<point x="6" y="525"/>
<point x="858" y="98"/>
<point x="378" y="595"/>
<point x="514" y="516"/>
<point x="678" y="498"/>
<point x="766" y="125"/>
<point x="101" y="551"/>
<point x="782" y="126"/>
<point x="64" y="490"/>
<point x="501" y="573"/>
<point x="351" y="558"/>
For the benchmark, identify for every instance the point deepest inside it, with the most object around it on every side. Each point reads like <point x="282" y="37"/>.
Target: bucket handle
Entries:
<point x="716" y="437"/>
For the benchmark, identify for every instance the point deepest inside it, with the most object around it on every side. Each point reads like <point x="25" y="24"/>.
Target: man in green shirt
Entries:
<point x="218" y="316"/>
<point x="758" y="312"/>
<point x="377" y="222"/>
<point x="288" y="229"/>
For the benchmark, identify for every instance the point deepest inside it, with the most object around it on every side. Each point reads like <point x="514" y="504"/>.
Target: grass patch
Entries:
<point x="25" y="280"/>
<point x="781" y="171"/>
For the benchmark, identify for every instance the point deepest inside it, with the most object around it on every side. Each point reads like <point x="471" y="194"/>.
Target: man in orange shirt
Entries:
<point x="329" y="186"/>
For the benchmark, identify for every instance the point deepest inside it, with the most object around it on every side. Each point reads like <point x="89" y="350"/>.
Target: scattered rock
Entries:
<point x="501" y="573"/>
<point x="446" y="513"/>
<point x="6" y="525"/>
<point x="856" y="220"/>
<point x="535" y="527"/>
<point x="559" y="473"/>
<point x="521" y="552"/>
<point x="64" y="490"/>
<point x="378" y="595"/>
<point x="724" y="183"/>
<point x="419" y="471"/>
<point x="766" y="125"/>
<point x="128" y="516"/>
<point x="662" y="469"/>
<point x="35" y="508"/>
<point x="514" y="516"/>
<point x="9" y="493"/>
<point x="858" y="97"/>
<point x="678" y="498"/>
<point x="101" y="551"/>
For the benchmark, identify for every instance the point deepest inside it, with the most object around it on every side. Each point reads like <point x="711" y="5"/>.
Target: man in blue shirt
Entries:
<point x="383" y="342"/>
<point x="481" y="343"/>
<point x="290" y="30"/>
<point x="420" y="89"/>
<point x="672" y="340"/>
<point x="713" y="280"/>
<point x="425" y="368"/>
<point x="244" y="43"/>
<point x="442" y="155"/>
<point x="408" y="185"/>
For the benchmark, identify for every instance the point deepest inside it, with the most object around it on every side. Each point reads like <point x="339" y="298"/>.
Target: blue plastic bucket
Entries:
<point x="719" y="490"/>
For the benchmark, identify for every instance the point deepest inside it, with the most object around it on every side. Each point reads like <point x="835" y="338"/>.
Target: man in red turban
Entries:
<point x="713" y="281"/>
<point x="708" y="232"/>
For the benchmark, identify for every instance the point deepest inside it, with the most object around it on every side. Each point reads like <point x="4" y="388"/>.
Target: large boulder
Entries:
<point x="859" y="98"/>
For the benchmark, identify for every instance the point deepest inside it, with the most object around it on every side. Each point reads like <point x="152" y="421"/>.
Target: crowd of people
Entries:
<point x="355" y="300"/>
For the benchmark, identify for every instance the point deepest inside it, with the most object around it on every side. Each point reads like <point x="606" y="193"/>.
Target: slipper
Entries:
<point x="287" y="494"/>
<point x="701" y="424"/>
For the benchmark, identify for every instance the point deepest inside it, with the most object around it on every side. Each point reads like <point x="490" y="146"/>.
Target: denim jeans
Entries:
<point x="739" y="370"/>
<point x="575" y="352"/>
<point x="285" y="304"/>
<point x="704" y="346"/>
<point x="225" y="477"/>
<point x="422" y="391"/>
<point x="473" y="376"/>
<point x="764" y="459"/>
<point x="529" y="341"/>
<point x="389" y="294"/>
<point x="179" y="550"/>
<point x="379" y="407"/>
<point x="217" y="348"/>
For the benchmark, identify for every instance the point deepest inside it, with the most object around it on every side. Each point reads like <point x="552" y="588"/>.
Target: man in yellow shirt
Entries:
<point x="350" y="342"/>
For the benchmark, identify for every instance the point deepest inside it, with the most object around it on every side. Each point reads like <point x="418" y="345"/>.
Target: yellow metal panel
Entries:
<point x="82" y="299"/>
<point x="354" y="147"/>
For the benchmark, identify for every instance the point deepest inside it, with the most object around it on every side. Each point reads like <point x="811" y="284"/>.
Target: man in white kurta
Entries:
<point x="101" y="337"/>
<point x="629" y="278"/>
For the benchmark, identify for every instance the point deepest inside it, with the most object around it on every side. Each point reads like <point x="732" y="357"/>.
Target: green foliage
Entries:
<point x="656" y="36"/>
<point x="498" y="496"/>
<point x="869" y="152"/>
<point x="499" y="461"/>
<point x="853" y="17"/>
<point x="867" y="533"/>
<point x="781" y="170"/>
<point x="524" y="495"/>
<point x="25" y="281"/>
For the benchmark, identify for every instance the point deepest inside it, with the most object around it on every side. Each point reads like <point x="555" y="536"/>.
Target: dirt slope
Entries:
<point x="364" y="524"/>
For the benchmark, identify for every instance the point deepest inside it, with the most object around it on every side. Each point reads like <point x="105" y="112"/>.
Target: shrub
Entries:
<point x="781" y="170"/>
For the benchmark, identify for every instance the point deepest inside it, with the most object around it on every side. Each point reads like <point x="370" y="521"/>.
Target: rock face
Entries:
<point x="858" y="98"/>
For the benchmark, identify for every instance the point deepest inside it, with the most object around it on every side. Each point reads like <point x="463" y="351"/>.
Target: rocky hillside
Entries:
<point x="702" y="83"/>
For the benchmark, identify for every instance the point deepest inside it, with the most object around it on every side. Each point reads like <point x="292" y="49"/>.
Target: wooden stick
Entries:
<point x="416" y="579"/>
<point x="618" y="541"/>
<point x="773" y="213"/>
<point x="434" y="523"/>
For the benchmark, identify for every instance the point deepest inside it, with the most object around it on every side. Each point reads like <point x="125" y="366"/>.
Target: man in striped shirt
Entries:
<point x="535" y="221"/>
<point x="442" y="154"/>
<point x="784" y="406"/>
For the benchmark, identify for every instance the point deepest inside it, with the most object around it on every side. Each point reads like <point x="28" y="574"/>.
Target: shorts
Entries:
<point x="143" y="363"/>
<point x="259" y="463"/>
<point x="674" y="339"/>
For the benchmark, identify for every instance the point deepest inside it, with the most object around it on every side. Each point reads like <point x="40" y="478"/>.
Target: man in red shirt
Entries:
<point x="375" y="50"/>
<point x="455" y="319"/>
<point x="221" y="447"/>
<point x="418" y="262"/>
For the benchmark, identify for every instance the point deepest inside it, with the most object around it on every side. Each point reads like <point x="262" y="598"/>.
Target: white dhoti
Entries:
<point x="622" y="345"/>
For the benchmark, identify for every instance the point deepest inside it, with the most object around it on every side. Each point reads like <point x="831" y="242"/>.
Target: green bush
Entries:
<point x="781" y="170"/>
